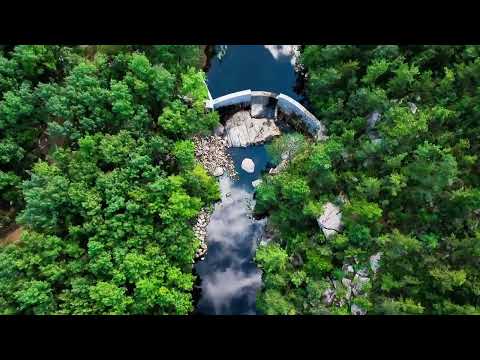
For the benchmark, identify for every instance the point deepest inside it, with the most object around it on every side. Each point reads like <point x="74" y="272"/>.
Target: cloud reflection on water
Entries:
<point x="283" y="51"/>
<point x="229" y="276"/>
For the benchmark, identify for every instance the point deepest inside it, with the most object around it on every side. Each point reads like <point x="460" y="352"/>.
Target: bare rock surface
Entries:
<point x="373" y="119"/>
<point x="413" y="107"/>
<point x="331" y="220"/>
<point x="283" y="164"/>
<point x="357" y="310"/>
<point x="241" y="130"/>
<point x="375" y="261"/>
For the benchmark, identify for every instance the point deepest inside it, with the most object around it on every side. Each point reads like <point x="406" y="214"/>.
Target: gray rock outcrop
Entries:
<point x="375" y="261"/>
<point x="331" y="220"/>
<point x="357" y="310"/>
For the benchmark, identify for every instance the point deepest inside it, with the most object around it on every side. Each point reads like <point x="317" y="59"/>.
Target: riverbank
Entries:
<point x="227" y="276"/>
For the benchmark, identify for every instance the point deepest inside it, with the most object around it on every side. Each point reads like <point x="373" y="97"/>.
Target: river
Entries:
<point x="229" y="278"/>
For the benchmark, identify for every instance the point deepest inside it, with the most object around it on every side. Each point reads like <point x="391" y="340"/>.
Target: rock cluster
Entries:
<point x="211" y="152"/>
<point x="351" y="285"/>
<point x="200" y="230"/>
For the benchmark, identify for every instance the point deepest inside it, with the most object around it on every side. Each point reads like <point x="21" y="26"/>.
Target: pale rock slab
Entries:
<point x="373" y="119"/>
<point x="328" y="296"/>
<point x="241" y="130"/>
<point x="331" y="220"/>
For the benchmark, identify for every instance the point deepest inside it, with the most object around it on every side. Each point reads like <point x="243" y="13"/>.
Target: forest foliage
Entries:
<point x="402" y="162"/>
<point x="98" y="169"/>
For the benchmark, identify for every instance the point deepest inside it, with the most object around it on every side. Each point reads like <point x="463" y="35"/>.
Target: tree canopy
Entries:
<point x="95" y="160"/>
<point x="401" y="162"/>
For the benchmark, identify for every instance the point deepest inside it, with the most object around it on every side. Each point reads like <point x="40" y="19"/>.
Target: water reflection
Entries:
<point x="229" y="277"/>
<point x="287" y="52"/>
<point x="256" y="67"/>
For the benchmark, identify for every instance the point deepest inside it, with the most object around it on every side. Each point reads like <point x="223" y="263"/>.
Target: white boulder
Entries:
<point x="248" y="165"/>
<point x="218" y="171"/>
<point x="347" y="268"/>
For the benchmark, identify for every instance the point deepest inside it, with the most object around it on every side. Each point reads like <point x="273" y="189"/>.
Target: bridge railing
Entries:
<point x="285" y="103"/>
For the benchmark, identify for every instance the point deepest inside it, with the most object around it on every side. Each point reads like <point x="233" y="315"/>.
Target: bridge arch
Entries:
<point x="284" y="103"/>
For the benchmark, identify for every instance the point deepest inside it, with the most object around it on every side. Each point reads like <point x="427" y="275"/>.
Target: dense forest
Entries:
<point x="98" y="169"/>
<point x="401" y="162"/>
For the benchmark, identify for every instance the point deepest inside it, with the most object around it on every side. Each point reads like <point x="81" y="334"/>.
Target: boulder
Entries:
<point x="357" y="310"/>
<point x="373" y="119"/>
<point x="363" y="272"/>
<point x="413" y="107"/>
<point x="248" y="165"/>
<point x="358" y="284"/>
<point x="347" y="268"/>
<point x="219" y="130"/>
<point x="218" y="171"/>
<point x="331" y="220"/>
<point x="279" y="167"/>
<point x="256" y="182"/>
<point x="328" y="296"/>
<point x="375" y="261"/>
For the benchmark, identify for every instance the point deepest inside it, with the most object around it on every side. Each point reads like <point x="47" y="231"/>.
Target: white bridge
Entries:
<point x="259" y="101"/>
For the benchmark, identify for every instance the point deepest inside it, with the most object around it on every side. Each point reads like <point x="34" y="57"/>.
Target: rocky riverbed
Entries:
<point x="200" y="230"/>
<point x="211" y="152"/>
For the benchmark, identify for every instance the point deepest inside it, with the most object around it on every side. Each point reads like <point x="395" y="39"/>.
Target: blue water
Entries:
<point x="255" y="67"/>
<point x="229" y="277"/>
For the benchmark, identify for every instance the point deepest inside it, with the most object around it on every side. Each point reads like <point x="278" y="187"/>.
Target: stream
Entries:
<point x="229" y="278"/>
